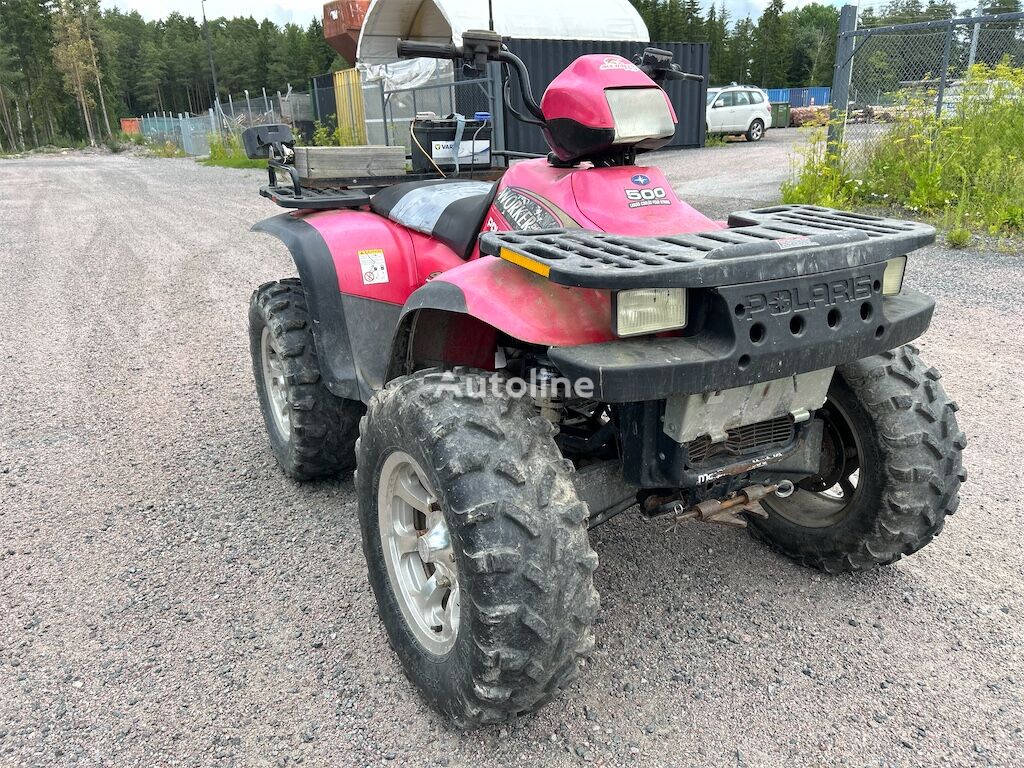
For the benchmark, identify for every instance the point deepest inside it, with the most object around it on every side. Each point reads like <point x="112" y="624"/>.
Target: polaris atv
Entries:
<point x="508" y="364"/>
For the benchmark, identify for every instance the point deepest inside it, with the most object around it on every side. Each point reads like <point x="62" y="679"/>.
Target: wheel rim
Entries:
<point x="418" y="553"/>
<point x="756" y="131"/>
<point x="275" y="385"/>
<point x="826" y="499"/>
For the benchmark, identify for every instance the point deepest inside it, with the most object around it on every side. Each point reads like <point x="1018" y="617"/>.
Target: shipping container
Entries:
<point x="131" y="125"/>
<point x="342" y="21"/>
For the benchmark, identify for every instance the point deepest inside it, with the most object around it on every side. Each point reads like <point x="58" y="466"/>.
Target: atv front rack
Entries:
<point x="763" y="244"/>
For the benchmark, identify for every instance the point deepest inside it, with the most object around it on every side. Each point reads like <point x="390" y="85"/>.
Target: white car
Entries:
<point x="739" y="109"/>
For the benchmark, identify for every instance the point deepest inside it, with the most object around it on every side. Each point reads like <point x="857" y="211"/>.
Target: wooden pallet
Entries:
<point x="318" y="163"/>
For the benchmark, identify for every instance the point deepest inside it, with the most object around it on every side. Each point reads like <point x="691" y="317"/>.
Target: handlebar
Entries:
<point x="478" y="47"/>
<point x="660" y="74"/>
<point x="411" y="49"/>
<point x="481" y="46"/>
<point x="676" y="75"/>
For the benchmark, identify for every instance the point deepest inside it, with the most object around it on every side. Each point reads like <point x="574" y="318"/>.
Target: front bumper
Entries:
<point x="745" y="334"/>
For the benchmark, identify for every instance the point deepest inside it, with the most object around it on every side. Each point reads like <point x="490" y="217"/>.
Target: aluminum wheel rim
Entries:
<point x="275" y="385"/>
<point x="824" y="507"/>
<point x="418" y="553"/>
<point x="755" y="131"/>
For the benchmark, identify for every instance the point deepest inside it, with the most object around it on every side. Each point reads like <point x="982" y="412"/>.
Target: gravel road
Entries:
<point x="169" y="598"/>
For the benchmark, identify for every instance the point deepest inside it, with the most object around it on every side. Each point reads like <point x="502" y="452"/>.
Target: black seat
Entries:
<point x="451" y="210"/>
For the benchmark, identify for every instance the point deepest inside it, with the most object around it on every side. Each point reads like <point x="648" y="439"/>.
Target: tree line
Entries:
<point x="797" y="48"/>
<point x="69" y="70"/>
<point x="781" y="49"/>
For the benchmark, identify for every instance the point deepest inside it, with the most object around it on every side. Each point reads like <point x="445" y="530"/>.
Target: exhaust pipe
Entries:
<point x="784" y="489"/>
<point x="721" y="511"/>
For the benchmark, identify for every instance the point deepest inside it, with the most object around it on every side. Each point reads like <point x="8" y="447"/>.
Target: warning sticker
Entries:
<point x="373" y="267"/>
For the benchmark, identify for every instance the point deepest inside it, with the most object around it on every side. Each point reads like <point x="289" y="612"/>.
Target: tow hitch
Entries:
<point x="721" y="511"/>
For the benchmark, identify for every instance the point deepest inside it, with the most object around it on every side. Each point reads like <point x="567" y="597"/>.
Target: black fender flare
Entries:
<point x="319" y="279"/>
<point x="438" y="302"/>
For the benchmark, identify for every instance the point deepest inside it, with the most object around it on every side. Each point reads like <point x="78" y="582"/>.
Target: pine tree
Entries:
<point x="772" y="49"/>
<point x="740" y="52"/>
<point x="717" y="27"/>
<point x="73" y="57"/>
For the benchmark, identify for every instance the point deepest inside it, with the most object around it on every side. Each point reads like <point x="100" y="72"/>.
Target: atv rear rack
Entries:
<point x="763" y="244"/>
<point x="344" y="192"/>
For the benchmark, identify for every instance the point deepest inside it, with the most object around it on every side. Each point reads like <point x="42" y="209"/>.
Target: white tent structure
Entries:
<point x="444" y="21"/>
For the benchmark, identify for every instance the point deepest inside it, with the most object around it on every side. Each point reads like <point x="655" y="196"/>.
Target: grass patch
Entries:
<point x="963" y="169"/>
<point x="167" y="149"/>
<point x="714" y="140"/>
<point x="342" y="136"/>
<point x="227" y="152"/>
<point x="959" y="237"/>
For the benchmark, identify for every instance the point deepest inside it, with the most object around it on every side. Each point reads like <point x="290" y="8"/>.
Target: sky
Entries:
<point x="301" y="11"/>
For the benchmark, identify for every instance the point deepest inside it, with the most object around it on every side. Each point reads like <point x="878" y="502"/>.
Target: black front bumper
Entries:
<point x="744" y="334"/>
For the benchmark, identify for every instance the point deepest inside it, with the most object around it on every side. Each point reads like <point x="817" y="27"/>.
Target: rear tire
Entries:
<point x="901" y="425"/>
<point x="312" y="432"/>
<point x="518" y="542"/>
<point x="756" y="131"/>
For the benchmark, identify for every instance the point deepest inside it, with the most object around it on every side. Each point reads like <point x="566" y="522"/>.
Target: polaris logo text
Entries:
<point x="641" y="198"/>
<point x="803" y="298"/>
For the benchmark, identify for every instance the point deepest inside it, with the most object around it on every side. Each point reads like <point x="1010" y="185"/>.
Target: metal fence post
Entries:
<point x="841" y="74"/>
<point x="384" y="113"/>
<point x="945" y="68"/>
<point x="974" y="39"/>
<point x="497" y="108"/>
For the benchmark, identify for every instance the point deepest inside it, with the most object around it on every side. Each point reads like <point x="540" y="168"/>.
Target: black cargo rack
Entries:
<point x="763" y="244"/>
<point x="347" y="192"/>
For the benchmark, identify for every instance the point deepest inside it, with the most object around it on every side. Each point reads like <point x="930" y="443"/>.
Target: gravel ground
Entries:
<point x="169" y="598"/>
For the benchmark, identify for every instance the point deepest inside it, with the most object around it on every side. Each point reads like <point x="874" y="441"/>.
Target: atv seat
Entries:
<point x="449" y="210"/>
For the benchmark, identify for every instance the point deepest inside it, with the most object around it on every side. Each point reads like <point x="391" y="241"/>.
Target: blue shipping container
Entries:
<point x="778" y="95"/>
<point x="809" y="97"/>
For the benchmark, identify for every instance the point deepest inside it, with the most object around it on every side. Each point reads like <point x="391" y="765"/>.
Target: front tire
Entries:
<point x="756" y="131"/>
<point x="481" y="482"/>
<point x="312" y="432"/>
<point x="891" y="470"/>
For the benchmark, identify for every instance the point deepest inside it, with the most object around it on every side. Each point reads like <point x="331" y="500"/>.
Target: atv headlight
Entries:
<point x="649" y="310"/>
<point x="892" y="280"/>
<point x="639" y="113"/>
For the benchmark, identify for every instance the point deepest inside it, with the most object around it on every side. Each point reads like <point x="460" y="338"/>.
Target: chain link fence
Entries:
<point x="378" y="109"/>
<point x="191" y="133"/>
<point x="390" y="113"/>
<point x="889" y="68"/>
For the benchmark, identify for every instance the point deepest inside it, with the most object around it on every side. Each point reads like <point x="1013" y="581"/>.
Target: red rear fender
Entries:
<point x="373" y="256"/>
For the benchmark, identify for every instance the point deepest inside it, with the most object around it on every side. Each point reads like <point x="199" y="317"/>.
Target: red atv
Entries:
<point x="508" y="364"/>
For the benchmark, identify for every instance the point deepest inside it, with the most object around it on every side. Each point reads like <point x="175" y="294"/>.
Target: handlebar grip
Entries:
<point x="411" y="49"/>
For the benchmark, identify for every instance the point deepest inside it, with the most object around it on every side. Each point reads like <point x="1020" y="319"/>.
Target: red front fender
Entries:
<point x="519" y="303"/>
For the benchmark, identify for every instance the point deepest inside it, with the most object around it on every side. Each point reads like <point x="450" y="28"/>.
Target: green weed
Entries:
<point x="167" y="149"/>
<point x="963" y="168"/>
<point x="227" y="152"/>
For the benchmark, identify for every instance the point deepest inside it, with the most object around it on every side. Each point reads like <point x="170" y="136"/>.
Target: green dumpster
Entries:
<point x="780" y="114"/>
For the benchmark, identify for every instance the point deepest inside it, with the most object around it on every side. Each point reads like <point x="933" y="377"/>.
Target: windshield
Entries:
<point x="711" y="95"/>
